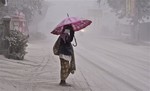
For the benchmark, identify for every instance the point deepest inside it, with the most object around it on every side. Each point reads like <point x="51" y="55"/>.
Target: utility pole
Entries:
<point x="130" y="7"/>
<point x="6" y="29"/>
<point x="99" y="2"/>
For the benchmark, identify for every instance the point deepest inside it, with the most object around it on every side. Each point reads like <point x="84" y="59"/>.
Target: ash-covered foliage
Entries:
<point x="17" y="45"/>
<point x="137" y="10"/>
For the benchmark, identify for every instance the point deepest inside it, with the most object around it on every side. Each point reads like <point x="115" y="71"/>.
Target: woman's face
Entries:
<point x="67" y="31"/>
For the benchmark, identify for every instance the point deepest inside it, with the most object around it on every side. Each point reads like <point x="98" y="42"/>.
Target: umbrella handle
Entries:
<point x="75" y="42"/>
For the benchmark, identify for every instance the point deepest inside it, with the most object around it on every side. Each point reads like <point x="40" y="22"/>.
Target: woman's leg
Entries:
<point x="65" y="66"/>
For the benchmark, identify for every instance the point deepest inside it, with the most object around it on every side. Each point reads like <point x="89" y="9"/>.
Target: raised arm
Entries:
<point x="70" y="39"/>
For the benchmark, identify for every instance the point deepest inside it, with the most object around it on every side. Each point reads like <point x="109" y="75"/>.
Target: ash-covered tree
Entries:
<point x="17" y="45"/>
<point x="28" y="7"/>
<point x="136" y="11"/>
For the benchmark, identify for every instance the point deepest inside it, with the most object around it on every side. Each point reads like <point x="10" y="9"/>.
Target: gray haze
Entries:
<point x="107" y="56"/>
<point x="104" y="22"/>
<point x="58" y="10"/>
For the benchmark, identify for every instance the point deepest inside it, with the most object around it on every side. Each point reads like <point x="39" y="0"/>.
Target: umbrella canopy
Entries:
<point x="77" y="24"/>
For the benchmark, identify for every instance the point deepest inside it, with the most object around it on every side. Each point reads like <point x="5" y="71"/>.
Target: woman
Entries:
<point x="66" y="54"/>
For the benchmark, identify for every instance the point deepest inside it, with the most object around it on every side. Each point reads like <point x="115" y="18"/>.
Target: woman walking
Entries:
<point x="66" y="54"/>
<point x="63" y="47"/>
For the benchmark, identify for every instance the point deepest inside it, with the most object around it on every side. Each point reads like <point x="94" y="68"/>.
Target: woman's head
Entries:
<point x="67" y="28"/>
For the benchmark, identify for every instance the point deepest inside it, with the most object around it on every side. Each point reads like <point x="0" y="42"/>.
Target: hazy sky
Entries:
<point x="58" y="10"/>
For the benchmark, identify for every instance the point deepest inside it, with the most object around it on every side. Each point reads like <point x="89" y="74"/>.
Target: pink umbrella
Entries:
<point x="77" y="24"/>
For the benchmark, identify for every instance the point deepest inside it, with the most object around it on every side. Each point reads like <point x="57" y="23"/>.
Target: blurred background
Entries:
<point x="126" y="20"/>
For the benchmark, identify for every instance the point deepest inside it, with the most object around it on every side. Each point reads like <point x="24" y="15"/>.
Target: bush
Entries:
<point x="17" y="45"/>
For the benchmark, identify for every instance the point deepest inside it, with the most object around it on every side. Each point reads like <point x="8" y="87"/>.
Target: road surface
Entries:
<point x="110" y="65"/>
<point x="102" y="65"/>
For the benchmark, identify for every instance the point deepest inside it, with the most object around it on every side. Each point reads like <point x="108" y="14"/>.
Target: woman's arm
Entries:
<point x="71" y="36"/>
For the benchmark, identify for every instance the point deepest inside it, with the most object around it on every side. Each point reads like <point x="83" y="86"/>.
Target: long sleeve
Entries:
<point x="65" y="44"/>
<point x="70" y="39"/>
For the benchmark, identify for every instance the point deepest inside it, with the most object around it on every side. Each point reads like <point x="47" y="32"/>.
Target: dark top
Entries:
<point x="65" y="46"/>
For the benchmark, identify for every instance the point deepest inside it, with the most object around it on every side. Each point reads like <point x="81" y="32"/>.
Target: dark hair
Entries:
<point x="69" y="26"/>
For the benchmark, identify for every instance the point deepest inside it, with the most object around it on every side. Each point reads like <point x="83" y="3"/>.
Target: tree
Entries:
<point x="28" y="7"/>
<point x="4" y="2"/>
<point x="17" y="45"/>
<point x="137" y="11"/>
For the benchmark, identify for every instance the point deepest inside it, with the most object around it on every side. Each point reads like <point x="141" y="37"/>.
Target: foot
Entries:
<point x="63" y="83"/>
<point x="72" y="72"/>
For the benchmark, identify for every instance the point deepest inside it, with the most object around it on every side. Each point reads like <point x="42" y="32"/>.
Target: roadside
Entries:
<point x="39" y="71"/>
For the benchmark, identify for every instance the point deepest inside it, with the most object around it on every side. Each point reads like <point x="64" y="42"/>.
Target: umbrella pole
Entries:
<point x="75" y="42"/>
<point x="67" y="14"/>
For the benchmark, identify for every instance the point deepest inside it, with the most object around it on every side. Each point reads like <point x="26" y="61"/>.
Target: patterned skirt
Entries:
<point x="67" y="67"/>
